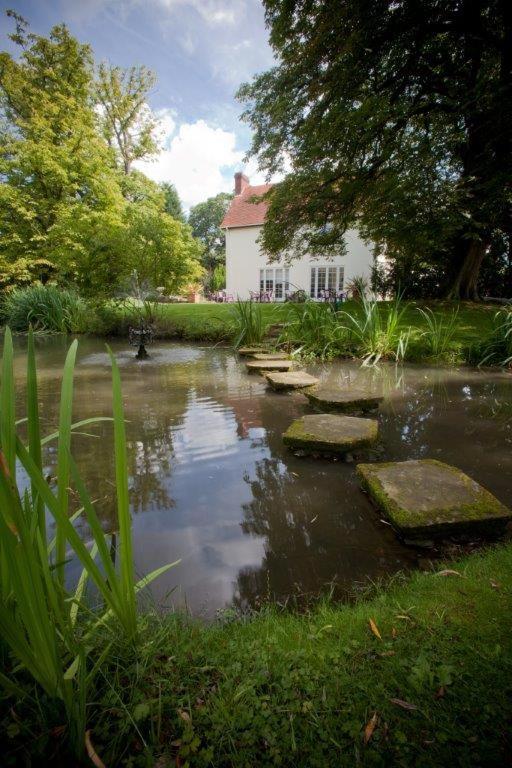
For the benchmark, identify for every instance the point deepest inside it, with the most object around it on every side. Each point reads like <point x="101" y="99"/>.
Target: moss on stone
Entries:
<point x="343" y="401"/>
<point x="447" y="500"/>
<point x="290" y="380"/>
<point x="331" y="434"/>
<point x="269" y="365"/>
<point x="249" y="351"/>
<point x="270" y="356"/>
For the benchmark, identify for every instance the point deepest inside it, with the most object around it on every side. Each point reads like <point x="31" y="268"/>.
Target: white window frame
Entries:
<point x="324" y="276"/>
<point x="277" y="280"/>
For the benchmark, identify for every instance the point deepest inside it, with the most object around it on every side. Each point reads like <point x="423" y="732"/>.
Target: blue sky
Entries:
<point x="201" y="50"/>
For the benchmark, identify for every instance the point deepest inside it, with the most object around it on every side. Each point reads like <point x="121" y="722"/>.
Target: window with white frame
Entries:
<point x="328" y="278"/>
<point x="275" y="281"/>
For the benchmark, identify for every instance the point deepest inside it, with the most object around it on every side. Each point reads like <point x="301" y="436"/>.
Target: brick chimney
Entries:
<point x="241" y="182"/>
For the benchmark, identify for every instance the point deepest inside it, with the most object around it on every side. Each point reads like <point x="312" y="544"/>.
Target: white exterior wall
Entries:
<point x="244" y="260"/>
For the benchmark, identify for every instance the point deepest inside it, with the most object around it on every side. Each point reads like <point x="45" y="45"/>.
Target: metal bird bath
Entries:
<point x="139" y="337"/>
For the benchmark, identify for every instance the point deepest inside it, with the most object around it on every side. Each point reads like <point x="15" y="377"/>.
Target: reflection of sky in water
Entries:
<point x="211" y="482"/>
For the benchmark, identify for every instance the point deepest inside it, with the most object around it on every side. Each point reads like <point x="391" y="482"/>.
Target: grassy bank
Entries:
<point x="396" y="330"/>
<point x="322" y="689"/>
<point x="206" y="321"/>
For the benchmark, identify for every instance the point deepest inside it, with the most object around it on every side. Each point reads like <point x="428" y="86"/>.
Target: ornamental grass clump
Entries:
<point x="436" y="341"/>
<point x="314" y="330"/>
<point x="49" y="628"/>
<point x="496" y="349"/>
<point x="379" y="332"/>
<point x="45" y="308"/>
<point x="249" y="325"/>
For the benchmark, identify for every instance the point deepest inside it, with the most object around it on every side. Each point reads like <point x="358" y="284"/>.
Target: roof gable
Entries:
<point x="244" y="213"/>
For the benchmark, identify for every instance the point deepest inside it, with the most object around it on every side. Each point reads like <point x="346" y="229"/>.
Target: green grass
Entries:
<point x="204" y="321"/>
<point x="299" y="690"/>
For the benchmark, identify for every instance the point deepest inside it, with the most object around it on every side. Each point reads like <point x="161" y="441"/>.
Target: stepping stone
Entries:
<point x="345" y="400"/>
<point x="270" y="356"/>
<point x="269" y="365"/>
<point x="427" y="497"/>
<point x="290" y="380"/>
<point x="248" y="351"/>
<point x="328" y="433"/>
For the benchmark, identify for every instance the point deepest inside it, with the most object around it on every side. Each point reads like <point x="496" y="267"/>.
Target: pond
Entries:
<point x="211" y="482"/>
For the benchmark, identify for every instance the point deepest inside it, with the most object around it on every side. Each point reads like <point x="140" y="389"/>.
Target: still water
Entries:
<point x="212" y="484"/>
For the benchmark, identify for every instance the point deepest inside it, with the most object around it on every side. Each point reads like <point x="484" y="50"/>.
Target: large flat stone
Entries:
<point x="344" y="400"/>
<point x="429" y="497"/>
<point x="290" y="380"/>
<point x="249" y="351"/>
<point x="327" y="433"/>
<point x="270" y="356"/>
<point x="269" y="365"/>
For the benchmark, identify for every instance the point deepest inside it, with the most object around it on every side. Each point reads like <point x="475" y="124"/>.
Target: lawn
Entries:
<point x="419" y="673"/>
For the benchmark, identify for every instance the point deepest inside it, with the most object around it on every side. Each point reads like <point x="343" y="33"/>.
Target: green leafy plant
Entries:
<point x="496" y="348"/>
<point x="47" y="308"/>
<point x="379" y="331"/>
<point x="437" y="339"/>
<point x="50" y="630"/>
<point x="249" y="324"/>
<point x="314" y="329"/>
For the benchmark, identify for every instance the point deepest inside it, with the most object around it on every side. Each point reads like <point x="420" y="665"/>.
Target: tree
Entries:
<point x="55" y="168"/>
<point x="126" y="119"/>
<point x="66" y="208"/>
<point x="161" y="249"/>
<point x="396" y="117"/>
<point x="172" y="203"/>
<point x="205" y="219"/>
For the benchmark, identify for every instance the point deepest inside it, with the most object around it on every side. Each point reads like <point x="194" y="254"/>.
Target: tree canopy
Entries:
<point x="172" y="203"/>
<point x="396" y="117"/>
<point x="205" y="219"/>
<point x="125" y="117"/>
<point x="71" y="206"/>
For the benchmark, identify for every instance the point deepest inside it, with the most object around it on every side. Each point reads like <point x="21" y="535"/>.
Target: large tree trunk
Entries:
<point x="466" y="282"/>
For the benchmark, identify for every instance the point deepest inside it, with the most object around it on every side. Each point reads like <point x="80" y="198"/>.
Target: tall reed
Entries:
<point x="379" y="331"/>
<point x="249" y="325"/>
<point x="314" y="329"/>
<point x="496" y="348"/>
<point x="48" y="628"/>
<point x="437" y="339"/>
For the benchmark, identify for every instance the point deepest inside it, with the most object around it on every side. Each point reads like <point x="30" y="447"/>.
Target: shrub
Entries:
<point x="47" y="308"/>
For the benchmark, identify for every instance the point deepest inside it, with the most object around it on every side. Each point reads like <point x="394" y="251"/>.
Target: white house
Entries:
<point x="247" y="267"/>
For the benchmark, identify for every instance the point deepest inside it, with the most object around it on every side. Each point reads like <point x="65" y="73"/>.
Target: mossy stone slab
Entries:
<point x="344" y="400"/>
<point x="270" y="356"/>
<point x="428" y="497"/>
<point x="328" y="433"/>
<point x="290" y="380"/>
<point x="260" y="366"/>
<point x="249" y="351"/>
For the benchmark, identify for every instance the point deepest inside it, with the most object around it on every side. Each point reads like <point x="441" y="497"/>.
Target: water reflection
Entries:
<point x="212" y="484"/>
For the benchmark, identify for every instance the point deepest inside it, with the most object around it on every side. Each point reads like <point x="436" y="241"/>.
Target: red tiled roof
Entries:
<point x="242" y="212"/>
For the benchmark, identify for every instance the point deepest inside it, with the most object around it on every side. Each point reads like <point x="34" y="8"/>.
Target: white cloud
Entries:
<point x="199" y="159"/>
<point x="166" y="127"/>
<point x="196" y="159"/>
<point x="211" y="11"/>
